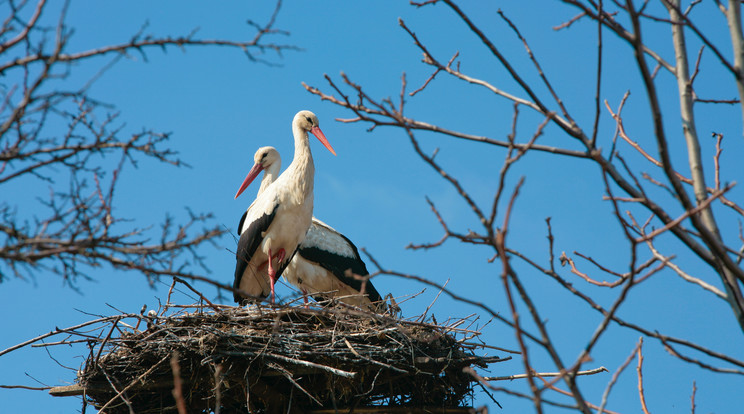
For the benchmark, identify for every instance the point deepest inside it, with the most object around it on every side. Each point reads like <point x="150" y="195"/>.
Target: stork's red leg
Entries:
<point x="272" y="276"/>
<point x="272" y="272"/>
<point x="304" y="297"/>
<point x="280" y="255"/>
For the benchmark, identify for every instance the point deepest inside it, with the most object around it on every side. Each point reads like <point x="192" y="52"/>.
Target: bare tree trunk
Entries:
<point x="733" y="15"/>
<point x="686" y="101"/>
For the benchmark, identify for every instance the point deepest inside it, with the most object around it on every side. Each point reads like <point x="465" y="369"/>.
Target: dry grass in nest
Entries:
<point x="279" y="359"/>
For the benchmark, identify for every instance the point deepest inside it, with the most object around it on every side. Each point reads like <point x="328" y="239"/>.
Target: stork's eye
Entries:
<point x="264" y="155"/>
<point x="309" y="120"/>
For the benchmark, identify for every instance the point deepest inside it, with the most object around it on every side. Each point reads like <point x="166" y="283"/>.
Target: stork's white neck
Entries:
<point x="302" y="167"/>
<point x="270" y="175"/>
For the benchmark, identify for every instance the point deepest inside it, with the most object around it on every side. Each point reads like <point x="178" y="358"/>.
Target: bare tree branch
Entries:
<point x="667" y="215"/>
<point x="79" y="229"/>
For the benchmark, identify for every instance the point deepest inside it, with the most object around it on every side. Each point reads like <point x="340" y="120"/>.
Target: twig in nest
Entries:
<point x="545" y="374"/>
<point x="131" y="384"/>
<point x="177" y="384"/>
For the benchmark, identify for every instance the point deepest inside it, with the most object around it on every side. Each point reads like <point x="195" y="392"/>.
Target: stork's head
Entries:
<point x="263" y="159"/>
<point x="266" y="156"/>
<point x="308" y="122"/>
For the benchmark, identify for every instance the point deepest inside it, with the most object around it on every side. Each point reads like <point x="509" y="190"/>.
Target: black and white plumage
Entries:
<point x="326" y="260"/>
<point x="276" y="222"/>
<point x="325" y="265"/>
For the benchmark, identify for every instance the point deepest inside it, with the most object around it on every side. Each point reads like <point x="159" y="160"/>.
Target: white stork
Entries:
<point x="276" y="222"/>
<point x="320" y="269"/>
<point x="320" y="266"/>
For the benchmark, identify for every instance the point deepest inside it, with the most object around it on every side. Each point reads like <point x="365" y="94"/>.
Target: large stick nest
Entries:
<point x="286" y="359"/>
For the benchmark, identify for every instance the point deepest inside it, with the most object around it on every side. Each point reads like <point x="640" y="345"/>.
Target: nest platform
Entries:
<point x="263" y="359"/>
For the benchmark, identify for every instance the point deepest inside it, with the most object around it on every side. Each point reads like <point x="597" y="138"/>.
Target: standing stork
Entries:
<point x="276" y="222"/>
<point x="320" y="266"/>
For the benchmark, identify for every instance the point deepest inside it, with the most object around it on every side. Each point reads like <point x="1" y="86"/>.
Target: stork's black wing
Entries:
<point x="242" y="219"/>
<point x="247" y="245"/>
<point x="339" y="264"/>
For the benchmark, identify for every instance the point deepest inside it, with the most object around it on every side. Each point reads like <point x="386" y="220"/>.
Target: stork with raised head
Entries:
<point x="276" y="222"/>
<point x="320" y="266"/>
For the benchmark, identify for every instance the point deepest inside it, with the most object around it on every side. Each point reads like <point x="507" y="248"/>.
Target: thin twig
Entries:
<point x="545" y="374"/>
<point x="616" y="375"/>
<point x="640" y="376"/>
<point x="177" y="384"/>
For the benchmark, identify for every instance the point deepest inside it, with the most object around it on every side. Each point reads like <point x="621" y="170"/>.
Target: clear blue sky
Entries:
<point x="220" y="107"/>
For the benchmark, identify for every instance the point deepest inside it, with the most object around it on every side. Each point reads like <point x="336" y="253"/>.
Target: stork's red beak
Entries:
<point x="252" y="174"/>
<point x="321" y="137"/>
